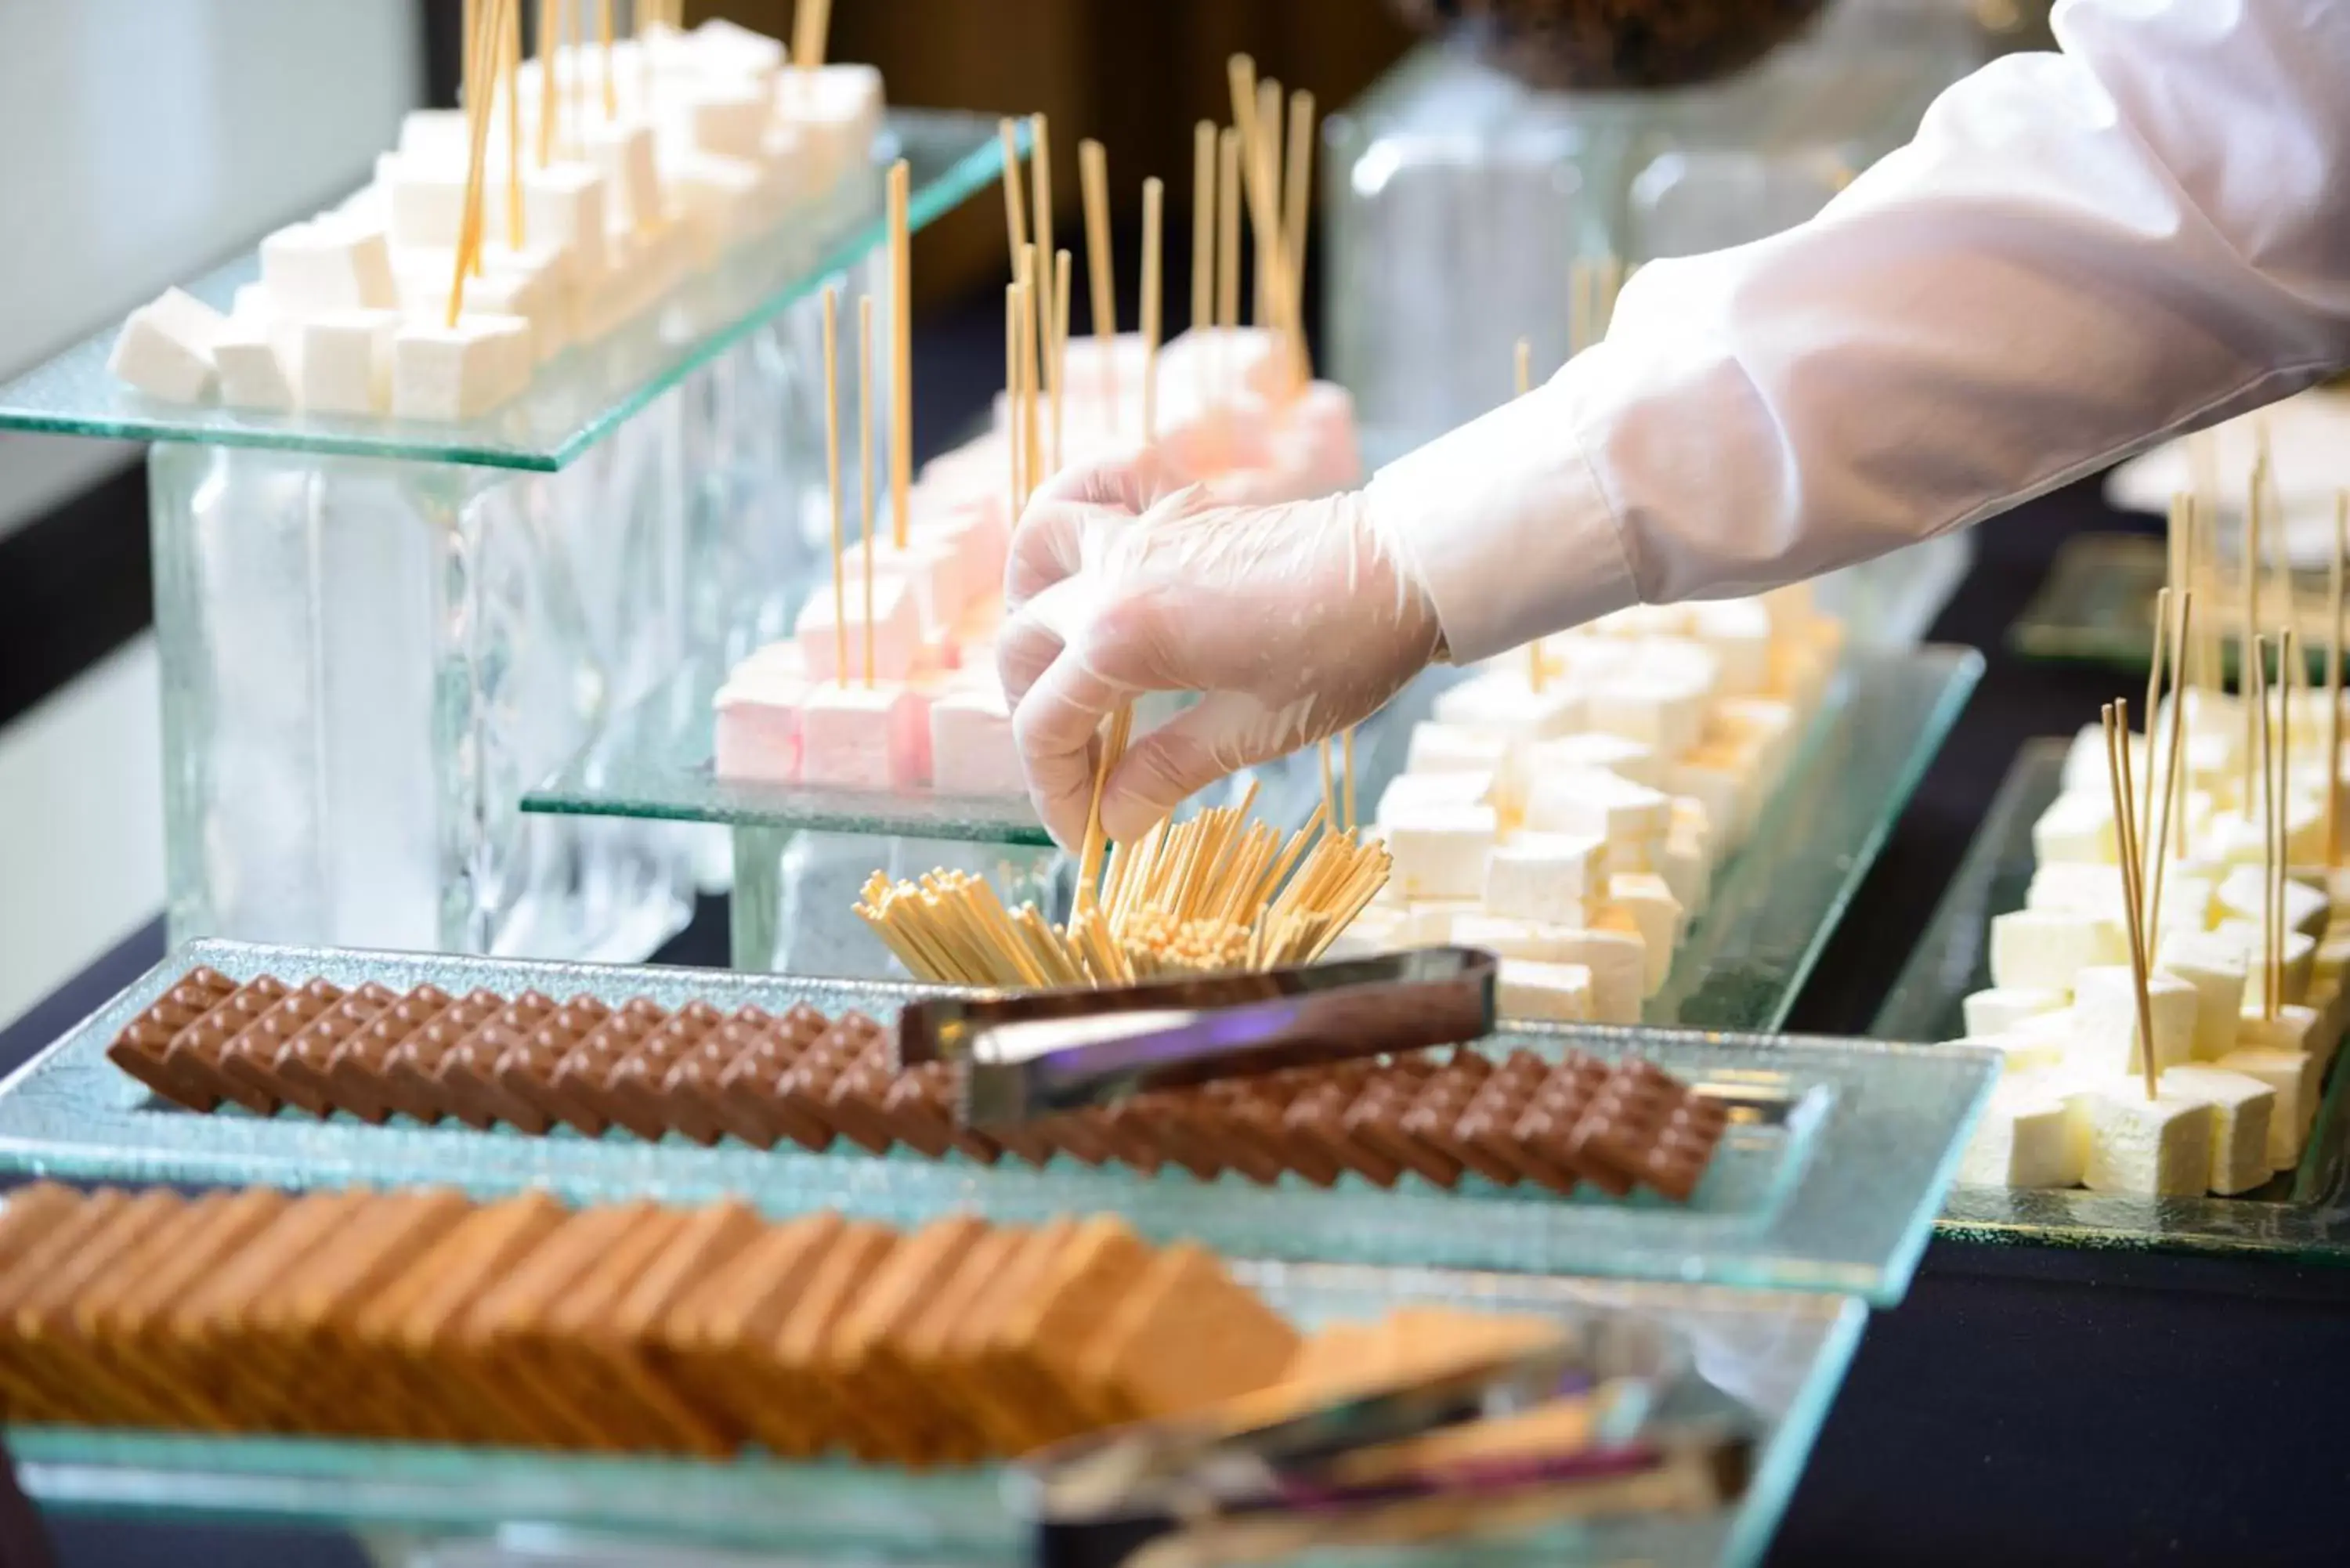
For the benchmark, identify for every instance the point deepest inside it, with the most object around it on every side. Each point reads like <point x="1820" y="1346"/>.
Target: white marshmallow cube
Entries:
<point x="331" y="265"/>
<point x="460" y="372"/>
<point x="2215" y="969"/>
<point x="2297" y="1079"/>
<point x="165" y="347"/>
<point x="2161" y="1146"/>
<point x="1600" y="805"/>
<point x="1554" y="992"/>
<point x="2242" y="1107"/>
<point x="2026" y="1138"/>
<point x="1647" y="897"/>
<point x="564" y="204"/>
<point x="2001" y="1008"/>
<point x="2043" y="950"/>
<point x="345" y="361"/>
<point x="1618" y="962"/>
<point x="1551" y="877"/>
<point x="1503" y="702"/>
<point x="2105" y="1016"/>
<point x="252" y="372"/>
<point x="1615" y="754"/>
<point x="1454" y="748"/>
<point x="1440" y="852"/>
<point x="2243" y="890"/>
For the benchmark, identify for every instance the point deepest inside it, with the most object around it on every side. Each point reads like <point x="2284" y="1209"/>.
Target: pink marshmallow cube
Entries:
<point x="899" y="647"/>
<point x="757" y="739"/>
<point x="976" y="530"/>
<point x="865" y="737"/>
<point x="933" y="566"/>
<point x="971" y="748"/>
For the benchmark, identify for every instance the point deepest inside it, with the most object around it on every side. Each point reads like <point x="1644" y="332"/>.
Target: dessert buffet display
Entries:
<point x="570" y="194"/>
<point x="2169" y="998"/>
<point x="1569" y="804"/>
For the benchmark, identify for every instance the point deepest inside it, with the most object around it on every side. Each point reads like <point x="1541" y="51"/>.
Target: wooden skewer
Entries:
<point x="1264" y="212"/>
<point x="1037" y="290"/>
<point x="1228" y="228"/>
<point x="511" y="57"/>
<point x="478" y="93"/>
<point x="1040" y="170"/>
<point x="2163" y="600"/>
<point x="548" y="54"/>
<point x="604" y="47"/>
<point x="2281" y="811"/>
<point x="1154" y="202"/>
<point x="901" y="353"/>
<point x="1352" y="821"/>
<point x="1267" y="153"/>
<point x="1015" y="220"/>
<point x="2257" y="651"/>
<point x="2174" y="759"/>
<point x="832" y="479"/>
<point x="2249" y="567"/>
<point x="2116" y="721"/>
<point x="1057" y="372"/>
<point x="865" y="464"/>
<point x="2333" y="638"/>
<point x="1017" y="439"/>
<point x="1205" y="208"/>
<point x="811" y="27"/>
<point x="1093" y="181"/>
<point x="1297" y="222"/>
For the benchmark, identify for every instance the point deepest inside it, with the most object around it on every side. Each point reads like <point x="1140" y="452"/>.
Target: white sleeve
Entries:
<point x="2080" y="255"/>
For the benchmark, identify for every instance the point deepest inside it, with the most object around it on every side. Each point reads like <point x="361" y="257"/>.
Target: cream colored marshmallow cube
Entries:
<point x="253" y="373"/>
<point x="2105" y="1016"/>
<point x="1440" y="852"/>
<point x="329" y="266"/>
<point x="623" y="152"/>
<point x="1615" y="754"/>
<point x="423" y="198"/>
<point x="1502" y="702"/>
<point x="1601" y="804"/>
<point x="2160" y="1147"/>
<point x="1738" y="634"/>
<point x="1378" y="930"/>
<point x="451" y="373"/>
<point x="728" y="118"/>
<point x="2026" y="1139"/>
<point x="1454" y="748"/>
<point x="1619" y="960"/>
<point x="345" y="361"/>
<point x="564" y="204"/>
<point x="1665" y="713"/>
<point x="1686" y="863"/>
<point x="2243" y="891"/>
<point x="2043" y="950"/>
<point x="1408" y="792"/>
<point x="1551" y="877"/>
<point x="1648" y="898"/>
<point x="1428" y="922"/>
<point x="1509" y="938"/>
<point x="1553" y="992"/>
<point x="2076" y="826"/>
<point x="2242" y="1107"/>
<point x="2000" y="1009"/>
<point x="165" y="349"/>
<point x="2297" y="1079"/>
<point x="2215" y="967"/>
<point x="2295" y="1027"/>
<point x="2300" y="956"/>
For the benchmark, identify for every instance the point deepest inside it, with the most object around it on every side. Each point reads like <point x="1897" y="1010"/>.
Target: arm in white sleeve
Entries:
<point x="2080" y="255"/>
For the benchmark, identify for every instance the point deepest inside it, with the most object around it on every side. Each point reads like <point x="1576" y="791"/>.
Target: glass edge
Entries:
<point x="1754" y="1526"/>
<point x="1964" y="673"/>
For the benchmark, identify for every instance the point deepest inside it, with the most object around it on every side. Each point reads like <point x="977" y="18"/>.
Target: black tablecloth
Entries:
<point x="2020" y="1405"/>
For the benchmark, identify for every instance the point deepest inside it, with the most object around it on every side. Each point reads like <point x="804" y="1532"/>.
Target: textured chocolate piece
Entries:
<point x="697" y="1103"/>
<point x="302" y="1065"/>
<point x="528" y="1070"/>
<point x="464" y="1077"/>
<point x="143" y="1048"/>
<point x="1639" y="1124"/>
<point x="753" y="1087"/>
<point x="1547" y="1127"/>
<point x="1485" y="1138"/>
<point x="251" y="1059"/>
<point x="582" y="1079"/>
<point x="412" y="1071"/>
<point x="195" y="1054"/>
<point x="360" y="1070"/>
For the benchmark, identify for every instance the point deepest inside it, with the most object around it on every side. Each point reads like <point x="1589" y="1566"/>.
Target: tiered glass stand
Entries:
<point x="1774" y="906"/>
<point x="2301" y="1213"/>
<point x="377" y="634"/>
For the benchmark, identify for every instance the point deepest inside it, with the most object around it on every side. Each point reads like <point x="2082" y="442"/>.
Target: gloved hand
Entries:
<point x="1293" y="621"/>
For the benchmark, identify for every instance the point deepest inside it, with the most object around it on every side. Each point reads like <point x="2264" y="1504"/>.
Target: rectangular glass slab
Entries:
<point x="2096" y="604"/>
<point x="1780" y="1354"/>
<point x="1773" y="904"/>
<point x="2301" y="1213"/>
<point x="589" y="389"/>
<point x="1833" y="1191"/>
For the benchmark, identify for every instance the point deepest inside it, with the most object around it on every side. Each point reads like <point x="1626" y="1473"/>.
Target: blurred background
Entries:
<point x="1475" y="155"/>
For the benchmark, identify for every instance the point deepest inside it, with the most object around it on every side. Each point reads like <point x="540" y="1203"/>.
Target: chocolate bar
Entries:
<point x="812" y="1081"/>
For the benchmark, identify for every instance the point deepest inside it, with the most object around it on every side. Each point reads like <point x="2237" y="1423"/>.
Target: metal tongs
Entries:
<point x="1034" y="1054"/>
<point x="1646" y="1438"/>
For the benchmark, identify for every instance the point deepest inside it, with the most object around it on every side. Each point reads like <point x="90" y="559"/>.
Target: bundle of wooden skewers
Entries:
<point x="1210" y="895"/>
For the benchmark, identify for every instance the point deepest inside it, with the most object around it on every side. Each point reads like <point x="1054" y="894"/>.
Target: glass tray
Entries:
<point x="1783" y="1355"/>
<point x="579" y="397"/>
<point x="1837" y="1197"/>
<point x="1774" y="906"/>
<point x="2303" y="1212"/>
<point x="2096" y="605"/>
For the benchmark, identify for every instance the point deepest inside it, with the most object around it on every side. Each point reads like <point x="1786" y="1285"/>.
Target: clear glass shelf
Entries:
<point x="1836" y="1196"/>
<point x="1781" y="1355"/>
<point x="579" y="397"/>
<point x="2303" y="1213"/>
<point x="1774" y="905"/>
<point x="2096" y="605"/>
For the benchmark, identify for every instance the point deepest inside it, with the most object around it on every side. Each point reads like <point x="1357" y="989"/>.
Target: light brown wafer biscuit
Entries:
<point x="40" y="1318"/>
<point x="1184" y="1336"/>
<point x="796" y="1355"/>
<point x="479" y="1345"/>
<point x="624" y="1337"/>
<point x="862" y="1358"/>
<point x="1040" y="1347"/>
<point x="1026" y="1415"/>
<point x="23" y="1385"/>
<point x="924" y="1352"/>
<point x="717" y="1341"/>
<point x="402" y="1334"/>
<point x="124" y="1316"/>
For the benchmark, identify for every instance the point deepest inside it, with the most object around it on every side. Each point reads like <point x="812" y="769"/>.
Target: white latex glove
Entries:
<point x="1292" y="621"/>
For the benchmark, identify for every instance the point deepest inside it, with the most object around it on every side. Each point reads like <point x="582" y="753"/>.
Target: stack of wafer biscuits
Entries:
<point x="532" y="1063"/>
<point x="421" y="1315"/>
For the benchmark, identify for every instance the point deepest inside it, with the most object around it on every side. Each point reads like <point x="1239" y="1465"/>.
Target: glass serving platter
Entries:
<point x="583" y="394"/>
<point x="1774" y="905"/>
<point x="1834" y="1193"/>
<point x="2303" y="1214"/>
<point x="2096" y="604"/>
<point x="1780" y="1354"/>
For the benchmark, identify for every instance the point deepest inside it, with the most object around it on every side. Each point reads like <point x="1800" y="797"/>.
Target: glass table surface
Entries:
<point x="1774" y="905"/>
<point x="589" y="389"/>
<point x="2301" y="1213"/>
<point x="1830" y="1188"/>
